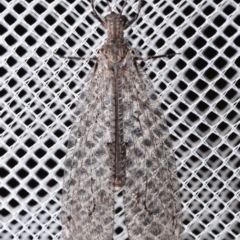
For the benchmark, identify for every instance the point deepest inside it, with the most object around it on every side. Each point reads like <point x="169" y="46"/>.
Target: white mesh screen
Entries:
<point x="199" y="91"/>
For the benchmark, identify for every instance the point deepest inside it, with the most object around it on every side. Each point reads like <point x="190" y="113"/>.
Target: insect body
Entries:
<point x="119" y="142"/>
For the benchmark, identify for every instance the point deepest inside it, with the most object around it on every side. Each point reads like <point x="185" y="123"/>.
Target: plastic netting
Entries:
<point x="199" y="90"/>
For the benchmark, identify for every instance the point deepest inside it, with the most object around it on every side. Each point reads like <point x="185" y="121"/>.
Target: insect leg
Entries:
<point x="157" y="56"/>
<point x="76" y="58"/>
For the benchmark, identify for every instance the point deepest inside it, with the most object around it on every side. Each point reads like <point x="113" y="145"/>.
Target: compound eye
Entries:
<point x="124" y="19"/>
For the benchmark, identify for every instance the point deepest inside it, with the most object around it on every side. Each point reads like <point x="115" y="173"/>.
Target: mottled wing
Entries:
<point x="151" y="191"/>
<point x="88" y="196"/>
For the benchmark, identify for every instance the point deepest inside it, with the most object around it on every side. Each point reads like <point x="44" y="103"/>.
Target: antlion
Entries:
<point x="119" y="142"/>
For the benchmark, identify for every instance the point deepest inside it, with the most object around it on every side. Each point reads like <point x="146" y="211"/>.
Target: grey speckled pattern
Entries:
<point x="151" y="192"/>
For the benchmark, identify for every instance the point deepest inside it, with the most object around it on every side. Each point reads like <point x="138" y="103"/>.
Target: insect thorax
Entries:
<point x="115" y="50"/>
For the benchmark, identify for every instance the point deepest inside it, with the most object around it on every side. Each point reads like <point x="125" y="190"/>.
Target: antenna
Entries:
<point x="124" y="5"/>
<point x="110" y="8"/>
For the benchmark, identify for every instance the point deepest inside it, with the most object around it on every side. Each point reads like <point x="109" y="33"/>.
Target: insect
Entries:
<point x="119" y="142"/>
